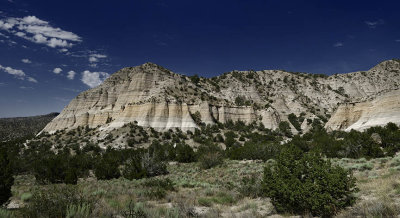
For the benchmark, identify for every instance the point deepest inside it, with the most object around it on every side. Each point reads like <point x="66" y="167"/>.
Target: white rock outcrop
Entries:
<point x="362" y="115"/>
<point x="155" y="97"/>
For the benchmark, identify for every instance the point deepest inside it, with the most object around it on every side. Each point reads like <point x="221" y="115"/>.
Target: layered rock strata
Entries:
<point x="156" y="97"/>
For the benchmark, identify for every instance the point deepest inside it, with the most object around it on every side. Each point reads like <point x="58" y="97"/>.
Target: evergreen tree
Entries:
<point x="6" y="176"/>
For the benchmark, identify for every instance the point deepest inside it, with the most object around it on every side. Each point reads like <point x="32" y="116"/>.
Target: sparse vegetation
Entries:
<point x="142" y="174"/>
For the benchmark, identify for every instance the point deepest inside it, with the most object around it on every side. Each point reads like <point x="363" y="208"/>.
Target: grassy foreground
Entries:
<point x="216" y="192"/>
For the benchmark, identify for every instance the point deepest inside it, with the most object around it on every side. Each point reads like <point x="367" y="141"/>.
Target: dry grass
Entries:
<point x="214" y="192"/>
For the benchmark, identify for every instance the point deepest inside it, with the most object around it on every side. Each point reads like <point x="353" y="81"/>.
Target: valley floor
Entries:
<point x="217" y="192"/>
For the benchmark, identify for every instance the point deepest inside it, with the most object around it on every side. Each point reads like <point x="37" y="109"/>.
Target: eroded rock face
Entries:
<point x="362" y="115"/>
<point x="155" y="97"/>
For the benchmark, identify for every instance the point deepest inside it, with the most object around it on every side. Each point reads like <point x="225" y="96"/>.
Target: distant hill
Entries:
<point x="11" y="128"/>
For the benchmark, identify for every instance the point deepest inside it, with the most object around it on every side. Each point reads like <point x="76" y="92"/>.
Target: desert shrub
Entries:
<point x="206" y="202"/>
<point x="141" y="165"/>
<point x="254" y="151"/>
<point x="133" y="168"/>
<point x="6" y="213"/>
<point x="373" y="208"/>
<point x="284" y="129"/>
<point x="294" y="121"/>
<point x="184" y="153"/>
<point x="305" y="183"/>
<point x="196" y="117"/>
<point x="210" y="159"/>
<point x="107" y="166"/>
<point x="155" y="193"/>
<point x="61" y="167"/>
<point x="53" y="201"/>
<point x="136" y="211"/>
<point x="166" y="184"/>
<point x="26" y="197"/>
<point x="230" y="140"/>
<point x="209" y="155"/>
<point x="6" y="176"/>
<point x="152" y="166"/>
<point x="250" y="186"/>
<point x="78" y="211"/>
<point x="220" y="198"/>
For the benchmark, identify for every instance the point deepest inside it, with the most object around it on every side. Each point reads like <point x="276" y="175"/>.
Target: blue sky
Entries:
<point x="52" y="50"/>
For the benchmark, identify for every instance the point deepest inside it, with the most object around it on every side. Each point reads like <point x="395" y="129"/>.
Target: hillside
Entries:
<point x="11" y="128"/>
<point x="158" y="98"/>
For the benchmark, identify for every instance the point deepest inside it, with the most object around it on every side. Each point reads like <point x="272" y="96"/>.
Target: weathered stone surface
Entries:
<point x="360" y="116"/>
<point x="155" y="97"/>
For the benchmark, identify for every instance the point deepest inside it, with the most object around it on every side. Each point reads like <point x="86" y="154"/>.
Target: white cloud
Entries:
<point x="71" y="75"/>
<point x="57" y="70"/>
<point x="19" y="74"/>
<point x="25" y="87"/>
<point x="30" y="79"/>
<point x="93" y="58"/>
<point x="338" y="44"/>
<point x="93" y="79"/>
<point x="26" y="61"/>
<point x="374" y="24"/>
<point x="39" y="31"/>
<point x="397" y="40"/>
<point x="5" y="25"/>
<point x="15" y="72"/>
<point x="20" y="34"/>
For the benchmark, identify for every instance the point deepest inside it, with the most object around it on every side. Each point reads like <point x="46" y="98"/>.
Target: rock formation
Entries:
<point x="155" y="97"/>
<point x="362" y="115"/>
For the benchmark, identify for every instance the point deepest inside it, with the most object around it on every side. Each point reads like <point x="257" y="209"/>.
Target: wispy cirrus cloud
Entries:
<point x="19" y="74"/>
<point x="39" y="31"/>
<point x="25" y="87"/>
<point x="374" y="24"/>
<point x="338" y="44"/>
<point x="5" y="36"/>
<point x="94" y="58"/>
<point x="93" y="79"/>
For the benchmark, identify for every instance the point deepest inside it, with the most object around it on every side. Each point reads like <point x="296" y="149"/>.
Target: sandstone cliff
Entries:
<point x="362" y="115"/>
<point x="156" y="97"/>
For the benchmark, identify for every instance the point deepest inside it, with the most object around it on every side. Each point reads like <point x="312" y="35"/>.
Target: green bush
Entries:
<point x="284" y="129"/>
<point x="140" y="165"/>
<point x="6" y="213"/>
<point x="133" y="168"/>
<point x="78" y="211"/>
<point x="184" y="153"/>
<point x="210" y="159"/>
<point x="54" y="201"/>
<point x="26" y="197"/>
<point x="295" y="121"/>
<point x="250" y="186"/>
<point x="254" y="151"/>
<point x="196" y="117"/>
<point x="305" y="183"/>
<point x="209" y="155"/>
<point x="6" y="176"/>
<point x="108" y="166"/>
<point x="164" y="183"/>
<point x="152" y="166"/>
